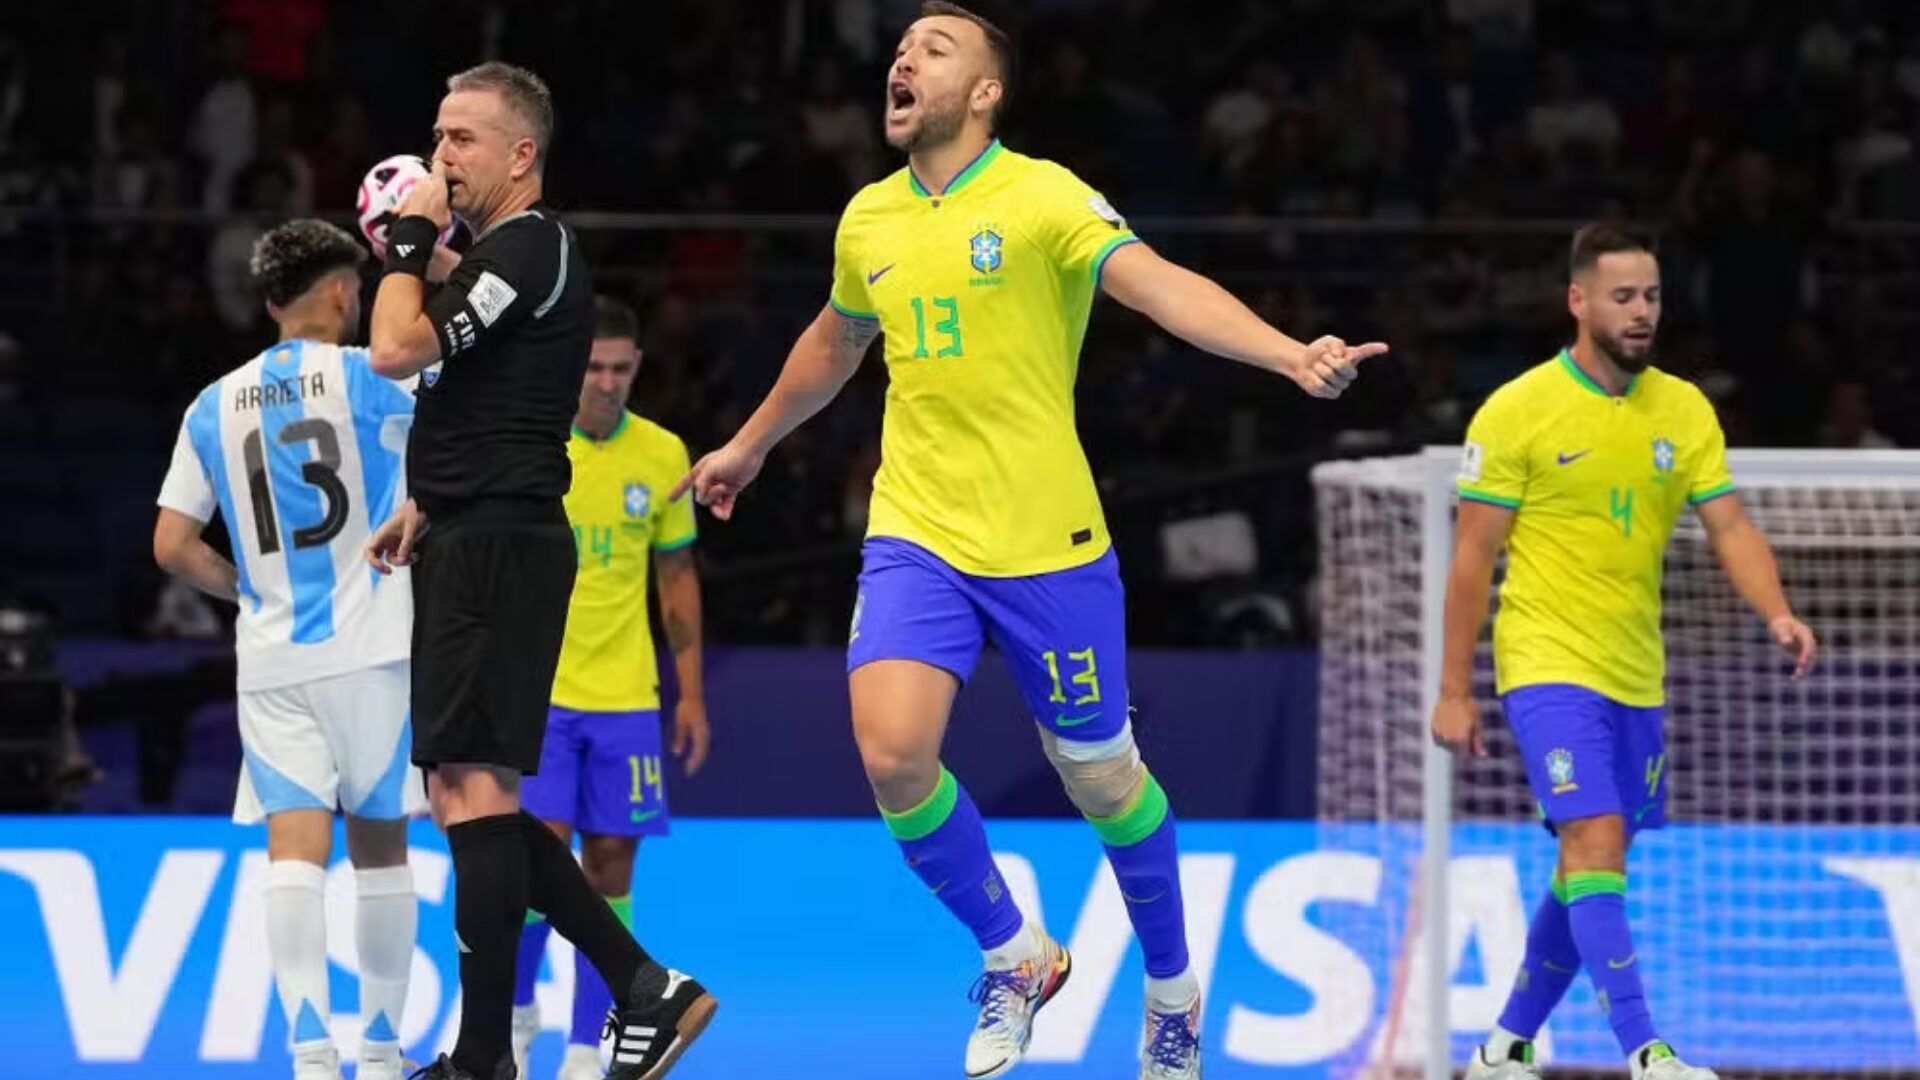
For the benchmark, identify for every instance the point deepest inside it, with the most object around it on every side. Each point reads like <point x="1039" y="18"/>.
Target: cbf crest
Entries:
<point x="637" y="499"/>
<point x="1663" y="455"/>
<point x="985" y="251"/>
<point x="1560" y="771"/>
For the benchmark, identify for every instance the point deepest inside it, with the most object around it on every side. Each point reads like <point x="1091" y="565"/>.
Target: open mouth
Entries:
<point x="900" y="99"/>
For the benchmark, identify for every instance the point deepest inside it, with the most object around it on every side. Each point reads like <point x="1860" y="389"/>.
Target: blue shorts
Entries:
<point x="1063" y="635"/>
<point x="601" y="773"/>
<point x="1588" y="755"/>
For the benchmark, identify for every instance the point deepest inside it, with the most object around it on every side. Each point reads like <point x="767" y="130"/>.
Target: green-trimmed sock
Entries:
<point x="1141" y="846"/>
<point x="945" y="842"/>
<point x="1597" y="914"/>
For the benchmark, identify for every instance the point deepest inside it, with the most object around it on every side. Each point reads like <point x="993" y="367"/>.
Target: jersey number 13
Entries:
<point x="322" y="473"/>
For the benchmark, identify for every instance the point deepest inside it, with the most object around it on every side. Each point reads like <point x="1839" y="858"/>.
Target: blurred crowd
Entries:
<point x="1367" y="167"/>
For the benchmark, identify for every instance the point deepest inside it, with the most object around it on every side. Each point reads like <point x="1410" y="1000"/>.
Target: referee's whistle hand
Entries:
<point x="392" y="543"/>
<point x="429" y="198"/>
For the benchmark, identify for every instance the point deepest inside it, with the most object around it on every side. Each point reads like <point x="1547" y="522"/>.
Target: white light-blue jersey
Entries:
<point x="303" y="451"/>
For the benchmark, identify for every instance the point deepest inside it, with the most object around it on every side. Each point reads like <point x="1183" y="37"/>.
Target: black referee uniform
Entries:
<point x="487" y="463"/>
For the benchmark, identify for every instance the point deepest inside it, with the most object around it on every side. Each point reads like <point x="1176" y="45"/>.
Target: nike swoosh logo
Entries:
<point x="639" y="816"/>
<point x="1557" y="969"/>
<point x="878" y="274"/>
<point x="1618" y="964"/>
<point x="1063" y="720"/>
<point x="942" y="885"/>
<point x="1568" y="459"/>
<point x="1143" y="900"/>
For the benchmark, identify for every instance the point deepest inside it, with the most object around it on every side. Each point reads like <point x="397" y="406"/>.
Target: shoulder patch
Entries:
<point x="1470" y="457"/>
<point x="490" y="296"/>
<point x="1105" y="211"/>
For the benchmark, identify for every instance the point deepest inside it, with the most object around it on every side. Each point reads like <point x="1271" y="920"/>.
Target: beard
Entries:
<point x="1622" y="355"/>
<point x="940" y="123"/>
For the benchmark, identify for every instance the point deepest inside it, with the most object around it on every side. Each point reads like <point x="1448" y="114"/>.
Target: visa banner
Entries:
<point x="136" y="947"/>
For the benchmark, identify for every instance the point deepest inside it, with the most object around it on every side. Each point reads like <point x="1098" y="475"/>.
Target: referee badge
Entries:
<point x="636" y="498"/>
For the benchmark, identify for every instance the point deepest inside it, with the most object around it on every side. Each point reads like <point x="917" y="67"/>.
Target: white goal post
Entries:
<point x="1776" y="889"/>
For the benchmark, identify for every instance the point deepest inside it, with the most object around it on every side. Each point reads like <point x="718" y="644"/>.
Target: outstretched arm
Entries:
<point x="1198" y="311"/>
<point x="826" y="355"/>
<point x="1748" y="560"/>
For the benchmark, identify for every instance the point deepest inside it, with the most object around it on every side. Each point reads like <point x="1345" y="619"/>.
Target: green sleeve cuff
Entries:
<point x="1490" y="499"/>
<point x="1711" y="493"/>
<point x="865" y="316"/>
<point x="1106" y="252"/>
<point x="676" y="545"/>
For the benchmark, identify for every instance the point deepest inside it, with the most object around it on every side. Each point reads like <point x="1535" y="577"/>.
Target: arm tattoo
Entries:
<point x="670" y="566"/>
<point x="679" y="636"/>
<point x="856" y="334"/>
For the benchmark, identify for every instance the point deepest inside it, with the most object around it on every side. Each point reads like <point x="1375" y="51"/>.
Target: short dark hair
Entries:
<point x="1600" y="238"/>
<point x="292" y="258"/>
<point x="614" y="319"/>
<point x="999" y="42"/>
<point x="522" y="90"/>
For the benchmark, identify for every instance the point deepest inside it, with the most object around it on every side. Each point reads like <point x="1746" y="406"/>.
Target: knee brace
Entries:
<point x="1103" y="778"/>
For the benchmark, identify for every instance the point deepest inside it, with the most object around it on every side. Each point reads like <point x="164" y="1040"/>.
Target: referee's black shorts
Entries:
<point x="490" y="592"/>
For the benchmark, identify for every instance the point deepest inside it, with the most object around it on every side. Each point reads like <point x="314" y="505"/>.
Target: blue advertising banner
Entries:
<point x="136" y="948"/>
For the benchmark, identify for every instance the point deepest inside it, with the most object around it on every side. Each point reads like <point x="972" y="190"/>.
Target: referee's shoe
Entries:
<point x="662" y="1015"/>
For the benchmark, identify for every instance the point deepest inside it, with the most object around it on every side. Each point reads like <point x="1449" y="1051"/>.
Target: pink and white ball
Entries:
<point x="380" y="193"/>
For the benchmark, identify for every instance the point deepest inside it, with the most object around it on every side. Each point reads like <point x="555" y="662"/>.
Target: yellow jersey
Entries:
<point x="620" y="513"/>
<point x="1597" y="482"/>
<point x="982" y="292"/>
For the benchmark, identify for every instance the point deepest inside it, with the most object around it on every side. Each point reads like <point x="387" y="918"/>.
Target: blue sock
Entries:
<point x="591" y="999"/>
<point x="1597" y="913"/>
<point x="533" y="946"/>
<point x="1146" y="859"/>
<point x="945" y="842"/>
<point x="1551" y="962"/>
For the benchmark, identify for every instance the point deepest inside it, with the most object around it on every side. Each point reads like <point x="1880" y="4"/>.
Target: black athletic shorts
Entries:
<point x="490" y="591"/>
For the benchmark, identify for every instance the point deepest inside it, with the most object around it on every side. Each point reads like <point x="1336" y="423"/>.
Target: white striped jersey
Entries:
<point x="302" y="450"/>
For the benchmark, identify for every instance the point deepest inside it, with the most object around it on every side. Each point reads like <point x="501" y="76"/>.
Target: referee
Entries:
<point x="500" y="349"/>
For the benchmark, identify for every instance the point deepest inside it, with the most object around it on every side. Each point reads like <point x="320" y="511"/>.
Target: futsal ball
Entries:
<point x="380" y="193"/>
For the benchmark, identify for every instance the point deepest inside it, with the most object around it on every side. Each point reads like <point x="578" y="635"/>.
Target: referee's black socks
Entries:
<point x="490" y="871"/>
<point x="558" y="889"/>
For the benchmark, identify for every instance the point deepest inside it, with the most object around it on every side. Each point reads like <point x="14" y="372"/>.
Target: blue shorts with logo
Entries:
<point x="600" y="772"/>
<point x="1063" y="634"/>
<point x="1588" y="755"/>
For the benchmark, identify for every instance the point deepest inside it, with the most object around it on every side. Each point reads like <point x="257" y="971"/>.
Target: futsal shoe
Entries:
<point x="1008" y="1000"/>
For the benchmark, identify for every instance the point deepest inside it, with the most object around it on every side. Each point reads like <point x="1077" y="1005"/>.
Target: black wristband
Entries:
<point x="410" y="243"/>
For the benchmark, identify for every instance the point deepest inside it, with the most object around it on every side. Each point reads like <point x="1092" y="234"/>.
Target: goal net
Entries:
<point x="1777" y="917"/>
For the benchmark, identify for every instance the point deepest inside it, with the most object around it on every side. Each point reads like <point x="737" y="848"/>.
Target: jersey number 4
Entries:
<point x="1620" y="501"/>
<point x="322" y="473"/>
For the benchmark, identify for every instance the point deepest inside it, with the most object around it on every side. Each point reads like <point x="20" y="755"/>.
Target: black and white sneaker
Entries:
<point x="445" y="1069"/>
<point x="664" y="1012"/>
